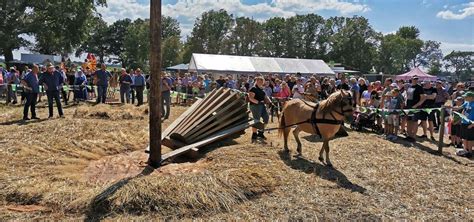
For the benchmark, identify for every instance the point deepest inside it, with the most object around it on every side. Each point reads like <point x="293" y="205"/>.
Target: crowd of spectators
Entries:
<point x="388" y="99"/>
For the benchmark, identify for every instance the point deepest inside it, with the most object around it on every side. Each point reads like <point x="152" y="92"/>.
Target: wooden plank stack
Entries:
<point x="221" y="114"/>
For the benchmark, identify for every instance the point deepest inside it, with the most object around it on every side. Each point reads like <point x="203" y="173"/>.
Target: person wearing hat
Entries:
<point x="52" y="82"/>
<point x="415" y="96"/>
<point x="80" y="83"/>
<point x="467" y="124"/>
<point x="103" y="77"/>
<point x="31" y="85"/>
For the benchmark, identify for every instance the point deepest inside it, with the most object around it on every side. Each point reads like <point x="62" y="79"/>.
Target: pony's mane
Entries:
<point x="333" y="101"/>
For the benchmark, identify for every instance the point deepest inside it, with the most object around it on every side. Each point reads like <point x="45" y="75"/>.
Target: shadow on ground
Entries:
<point x="324" y="172"/>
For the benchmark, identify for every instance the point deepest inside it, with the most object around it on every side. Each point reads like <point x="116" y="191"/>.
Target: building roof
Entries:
<point x="253" y="64"/>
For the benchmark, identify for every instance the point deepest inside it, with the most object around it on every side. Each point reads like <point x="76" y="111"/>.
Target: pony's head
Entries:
<point x="340" y="102"/>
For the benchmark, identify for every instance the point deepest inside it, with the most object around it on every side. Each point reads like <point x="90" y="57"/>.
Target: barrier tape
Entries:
<point x="399" y="111"/>
<point x="463" y="117"/>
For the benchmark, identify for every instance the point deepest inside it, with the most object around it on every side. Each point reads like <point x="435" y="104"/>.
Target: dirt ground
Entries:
<point x="90" y="165"/>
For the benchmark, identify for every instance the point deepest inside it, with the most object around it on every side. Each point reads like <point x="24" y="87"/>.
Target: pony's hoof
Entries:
<point x="321" y="159"/>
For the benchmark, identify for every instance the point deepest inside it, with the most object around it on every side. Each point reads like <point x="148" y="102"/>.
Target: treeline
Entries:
<point x="76" y="27"/>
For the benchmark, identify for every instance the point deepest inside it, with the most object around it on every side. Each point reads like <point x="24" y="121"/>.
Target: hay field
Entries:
<point x="89" y="166"/>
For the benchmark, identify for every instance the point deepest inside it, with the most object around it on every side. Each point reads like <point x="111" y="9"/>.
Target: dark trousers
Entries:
<point x="437" y="120"/>
<point x="132" y="93"/>
<point x="64" y="95"/>
<point x="139" y="91"/>
<point x="54" y="95"/>
<point x="101" y="94"/>
<point x="124" y="94"/>
<point x="11" y="95"/>
<point x="166" y="99"/>
<point x="31" y="99"/>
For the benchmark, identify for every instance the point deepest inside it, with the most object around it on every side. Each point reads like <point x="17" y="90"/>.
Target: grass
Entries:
<point x="90" y="166"/>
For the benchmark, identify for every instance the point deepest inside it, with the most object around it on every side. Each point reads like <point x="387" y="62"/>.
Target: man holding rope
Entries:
<point x="257" y="100"/>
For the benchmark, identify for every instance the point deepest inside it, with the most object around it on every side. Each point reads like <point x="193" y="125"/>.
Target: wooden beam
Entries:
<point x="173" y="125"/>
<point x="213" y="138"/>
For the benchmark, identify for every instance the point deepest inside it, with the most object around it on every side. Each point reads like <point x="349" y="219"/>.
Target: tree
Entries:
<point x="274" y="43"/>
<point x="15" y="18"/>
<point x="60" y="27"/>
<point x="171" y="51"/>
<point x="169" y="27"/>
<point x="99" y="41"/>
<point x="116" y="36"/>
<point x="136" y="45"/>
<point x="354" y="42"/>
<point x="398" y="52"/>
<point x="246" y="37"/>
<point x="210" y="31"/>
<point x="430" y="56"/>
<point x="461" y="62"/>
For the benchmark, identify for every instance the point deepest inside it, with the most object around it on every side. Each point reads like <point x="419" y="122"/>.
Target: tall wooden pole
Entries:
<point x="154" y="159"/>
<point x="441" y="131"/>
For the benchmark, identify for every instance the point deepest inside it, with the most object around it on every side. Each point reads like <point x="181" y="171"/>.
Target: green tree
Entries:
<point x="171" y="51"/>
<point x="461" y="62"/>
<point x="136" y="45"/>
<point x="210" y="32"/>
<point x="354" y="42"/>
<point x="99" y="41"/>
<point x="246" y="37"/>
<point x="116" y="35"/>
<point x="14" y="22"/>
<point x="430" y="56"/>
<point x="169" y="27"/>
<point x="274" y="43"/>
<point x="60" y="27"/>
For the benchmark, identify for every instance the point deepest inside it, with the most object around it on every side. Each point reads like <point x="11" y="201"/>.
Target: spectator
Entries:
<point x="12" y="79"/>
<point x="428" y="102"/>
<point x="166" y="96"/>
<point x="257" y="100"/>
<point x="31" y="87"/>
<point x="80" y="83"/>
<point x="396" y="103"/>
<point x="139" y="85"/>
<point x="221" y="81"/>
<point x="298" y="90"/>
<point x="52" y="82"/>
<point x="414" y="101"/>
<point x="125" y="81"/>
<point x="467" y="128"/>
<point x="441" y="97"/>
<point x="285" y="91"/>
<point x="355" y="89"/>
<point x="456" y="140"/>
<point x="102" y="83"/>
<point x="362" y="86"/>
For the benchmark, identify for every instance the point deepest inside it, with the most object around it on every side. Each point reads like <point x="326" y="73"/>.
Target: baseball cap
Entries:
<point x="468" y="94"/>
<point x="393" y="85"/>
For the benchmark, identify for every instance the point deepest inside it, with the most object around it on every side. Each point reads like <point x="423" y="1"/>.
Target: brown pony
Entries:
<point x="325" y="121"/>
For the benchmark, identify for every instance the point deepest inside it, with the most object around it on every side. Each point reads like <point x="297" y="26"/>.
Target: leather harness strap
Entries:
<point x="315" y="121"/>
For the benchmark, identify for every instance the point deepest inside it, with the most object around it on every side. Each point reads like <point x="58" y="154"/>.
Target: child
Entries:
<point x="396" y="103"/>
<point x="467" y="125"/>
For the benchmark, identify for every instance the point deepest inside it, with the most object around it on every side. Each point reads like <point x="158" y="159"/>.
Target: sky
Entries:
<point x="450" y="22"/>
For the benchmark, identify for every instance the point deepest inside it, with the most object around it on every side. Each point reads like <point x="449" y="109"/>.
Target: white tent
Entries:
<point x="228" y="64"/>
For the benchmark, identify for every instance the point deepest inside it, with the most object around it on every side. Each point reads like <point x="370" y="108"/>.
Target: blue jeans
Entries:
<point x="101" y="94"/>
<point x="259" y="111"/>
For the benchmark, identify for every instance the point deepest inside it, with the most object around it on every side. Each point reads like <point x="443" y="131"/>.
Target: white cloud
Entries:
<point x="186" y="11"/>
<point x="467" y="11"/>
<point x="448" y="47"/>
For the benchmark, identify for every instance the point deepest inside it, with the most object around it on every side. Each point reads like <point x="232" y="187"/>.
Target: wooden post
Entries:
<point x="154" y="159"/>
<point x="441" y="131"/>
